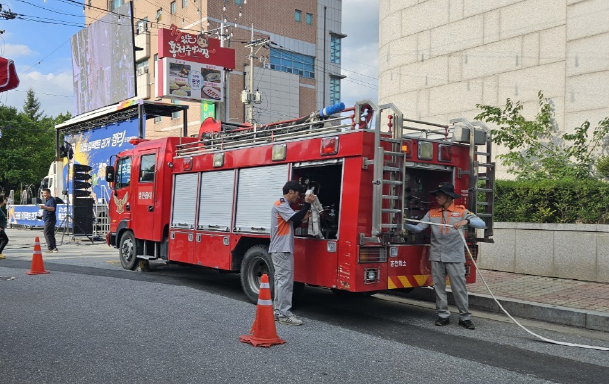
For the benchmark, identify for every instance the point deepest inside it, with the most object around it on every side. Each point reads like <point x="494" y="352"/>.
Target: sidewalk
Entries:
<point x="561" y="301"/>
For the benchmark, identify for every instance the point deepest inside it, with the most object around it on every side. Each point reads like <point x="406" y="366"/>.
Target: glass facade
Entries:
<point x="292" y="62"/>
<point x="334" y="90"/>
<point x="335" y="49"/>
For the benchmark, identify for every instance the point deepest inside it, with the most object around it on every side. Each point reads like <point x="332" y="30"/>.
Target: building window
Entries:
<point x="157" y="119"/>
<point x="309" y="18"/>
<point x="292" y="62"/>
<point x="115" y="4"/>
<point x="298" y="15"/>
<point x="159" y="14"/>
<point x="175" y="115"/>
<point x="141" y="67"/>
<point x="335" y="49"/>
<point x="141" y="26"/>
<point x="184" y="3"/>
<point x="173" y="8"/>
<point x="334" y="90"/>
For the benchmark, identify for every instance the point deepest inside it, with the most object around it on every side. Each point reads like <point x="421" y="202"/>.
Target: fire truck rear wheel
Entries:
<point x="128" y="250"/>
<point x="256" y="262"/>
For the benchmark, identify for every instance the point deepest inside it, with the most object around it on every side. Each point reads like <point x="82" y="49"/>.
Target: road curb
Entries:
<point x="592" y="320"/>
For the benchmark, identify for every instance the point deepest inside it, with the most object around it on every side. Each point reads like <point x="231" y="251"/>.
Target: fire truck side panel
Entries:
<point x="212" y="250"/>
<point x="313" y="264"/>
<point x="181" y="246"/>
<point x="409" y="268"/>
<point x="355" y="219"/>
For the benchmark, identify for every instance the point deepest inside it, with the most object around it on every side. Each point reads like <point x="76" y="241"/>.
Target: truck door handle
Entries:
<point x="150" y="208"/>
<point x="127" y="207"/>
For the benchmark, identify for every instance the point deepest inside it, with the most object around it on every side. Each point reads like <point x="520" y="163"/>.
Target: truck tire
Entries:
<point x="256" y="262"/>
<point x="128" y="251"/>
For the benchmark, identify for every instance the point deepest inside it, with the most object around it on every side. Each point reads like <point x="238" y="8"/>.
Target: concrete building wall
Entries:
<point x="439" y="58"/>
<point x="270" y="19"/>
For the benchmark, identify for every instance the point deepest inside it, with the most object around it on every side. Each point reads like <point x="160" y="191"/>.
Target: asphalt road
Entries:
<point x="90" y="321"/>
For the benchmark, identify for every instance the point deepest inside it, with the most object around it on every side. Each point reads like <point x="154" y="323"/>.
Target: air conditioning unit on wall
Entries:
<point x="142" y="70"/>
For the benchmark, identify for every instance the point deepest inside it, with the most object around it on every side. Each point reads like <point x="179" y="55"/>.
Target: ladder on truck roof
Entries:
<point x="326" y="122"/>
<point x="389" y="173"/>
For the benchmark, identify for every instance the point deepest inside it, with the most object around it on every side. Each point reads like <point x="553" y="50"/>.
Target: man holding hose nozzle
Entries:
<point x="447" y="251"/>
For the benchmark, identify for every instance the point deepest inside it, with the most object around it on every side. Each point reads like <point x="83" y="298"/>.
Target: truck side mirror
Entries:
<point x="110" y="174"/>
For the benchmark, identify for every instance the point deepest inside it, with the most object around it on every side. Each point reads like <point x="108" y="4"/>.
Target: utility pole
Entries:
<point x="226" y="73"/>
<point x="249" y="97"/>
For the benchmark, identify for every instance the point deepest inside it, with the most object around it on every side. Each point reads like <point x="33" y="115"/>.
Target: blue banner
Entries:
<point x="26" y="215"/>
<point x="94" y="147"/>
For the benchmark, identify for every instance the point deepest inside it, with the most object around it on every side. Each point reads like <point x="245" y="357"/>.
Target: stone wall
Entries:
<point x="571" y="251"/>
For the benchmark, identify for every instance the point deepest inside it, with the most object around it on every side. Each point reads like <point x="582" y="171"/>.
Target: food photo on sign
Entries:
<point x="212" y="83"/>
<point x="179" y="84"/>
<point x="183" y="79"/>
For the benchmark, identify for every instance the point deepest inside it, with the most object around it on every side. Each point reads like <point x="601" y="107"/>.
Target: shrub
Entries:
<point x="552" y="201"/>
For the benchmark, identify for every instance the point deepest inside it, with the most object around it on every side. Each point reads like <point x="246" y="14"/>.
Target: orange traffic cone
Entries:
<point x="37" y="264"/>
<point x="263" y="332"/>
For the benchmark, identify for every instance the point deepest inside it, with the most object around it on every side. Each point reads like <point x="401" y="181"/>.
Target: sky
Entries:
<point x="38" y="41"/>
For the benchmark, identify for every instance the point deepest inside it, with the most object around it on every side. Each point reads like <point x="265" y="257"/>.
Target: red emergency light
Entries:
<point x="329" y="146"/>
<point x="136" y="141"/>
<point x="445" y="153"/>
<point x="187" y="163"/>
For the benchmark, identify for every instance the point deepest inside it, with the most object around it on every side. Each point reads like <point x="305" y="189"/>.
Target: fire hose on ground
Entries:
<point x="499" y="304"/>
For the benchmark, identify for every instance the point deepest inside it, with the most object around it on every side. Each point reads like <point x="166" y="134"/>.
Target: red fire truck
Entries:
<point x="206" y="200"/>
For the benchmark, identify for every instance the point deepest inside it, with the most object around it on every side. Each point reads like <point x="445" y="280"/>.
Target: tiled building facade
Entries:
<point x="439" y="58"/>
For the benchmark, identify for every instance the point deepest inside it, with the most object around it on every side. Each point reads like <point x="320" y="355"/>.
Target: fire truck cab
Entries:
<point x="207" y="200"/>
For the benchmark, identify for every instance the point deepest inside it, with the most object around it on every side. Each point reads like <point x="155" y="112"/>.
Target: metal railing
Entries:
<point x="307" y="127"/>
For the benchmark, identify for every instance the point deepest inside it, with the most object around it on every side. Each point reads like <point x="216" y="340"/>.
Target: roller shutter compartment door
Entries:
<point x="258" y="189"/>
<point x="184" y="205"/>
<point x="216" y="200"/>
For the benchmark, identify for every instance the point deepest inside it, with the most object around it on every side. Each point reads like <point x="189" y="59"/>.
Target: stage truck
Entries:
<point x="207" y="200"/>
<point x="86" y="143"/>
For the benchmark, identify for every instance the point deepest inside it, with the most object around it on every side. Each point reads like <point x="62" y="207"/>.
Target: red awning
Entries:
<point x="8" y="75"/>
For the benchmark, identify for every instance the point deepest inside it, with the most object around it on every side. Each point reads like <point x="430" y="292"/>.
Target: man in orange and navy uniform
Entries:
<point x="283" y="221"/>
<point x="447" y="251"/>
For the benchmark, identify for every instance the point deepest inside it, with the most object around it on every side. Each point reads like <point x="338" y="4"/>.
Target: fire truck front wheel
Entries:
<point x="256" y="262"/>
<point x="128" y="250"/>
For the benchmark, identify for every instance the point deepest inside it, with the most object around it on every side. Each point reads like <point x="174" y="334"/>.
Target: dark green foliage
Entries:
<point x="31" y="106"/>
<point x="27" y="146"/>
<point x="552" y="201"/>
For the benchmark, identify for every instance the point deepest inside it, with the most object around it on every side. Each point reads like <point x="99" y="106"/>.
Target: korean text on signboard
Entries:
<point x="201" y="49"/>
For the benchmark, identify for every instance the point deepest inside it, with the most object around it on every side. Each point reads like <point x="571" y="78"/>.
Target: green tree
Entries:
<point x="536" y="149"/>
<point x="27" y="148"/>
<point x="31" y="106"/>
